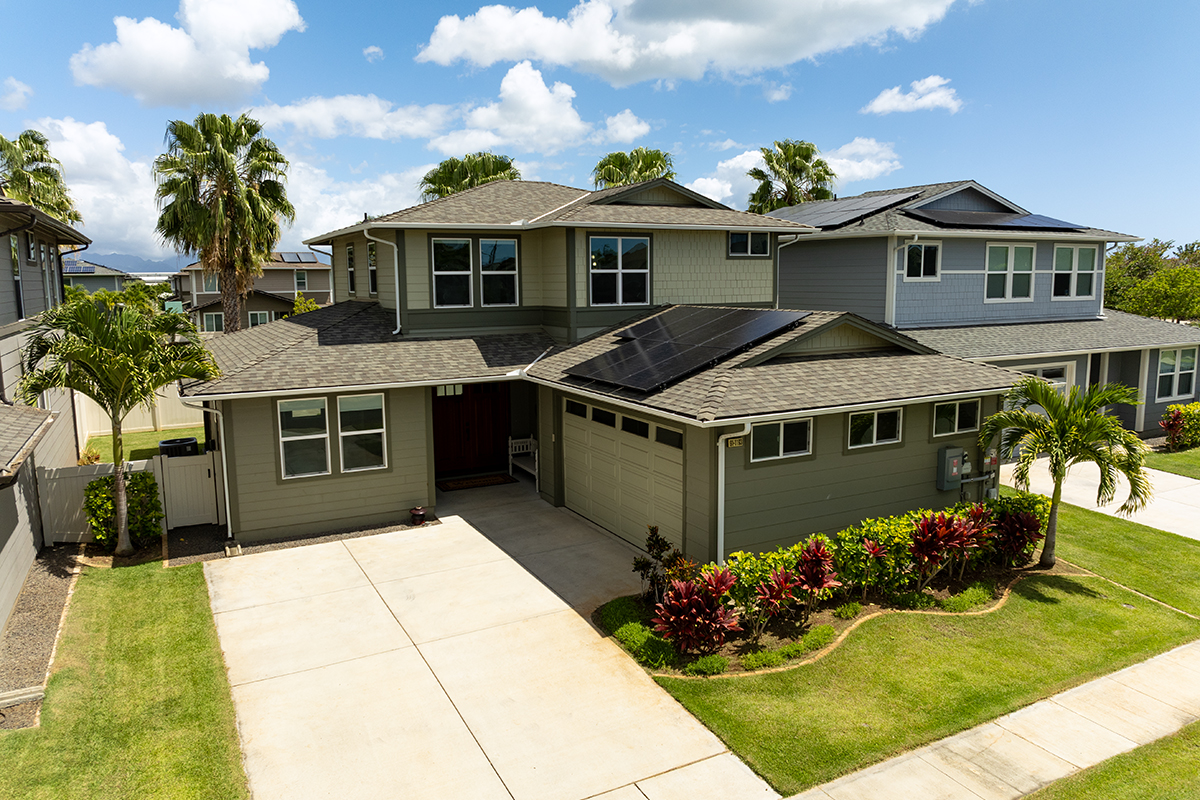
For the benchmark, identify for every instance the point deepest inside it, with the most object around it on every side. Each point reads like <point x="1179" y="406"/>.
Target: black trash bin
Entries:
<point x="179" y="447"/>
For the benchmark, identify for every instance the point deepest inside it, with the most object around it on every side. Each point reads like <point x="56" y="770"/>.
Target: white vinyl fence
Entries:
<point x="168" y="412"/>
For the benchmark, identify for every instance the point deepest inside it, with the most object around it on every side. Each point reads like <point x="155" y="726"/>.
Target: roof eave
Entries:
<point x="841" y="233"/>
<point x="328" y="238"/>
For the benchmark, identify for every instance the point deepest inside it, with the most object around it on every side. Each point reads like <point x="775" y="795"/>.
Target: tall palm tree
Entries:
<point x="473" y="169"/>
<point x="639" y="164"/>
<point x="1070" y="428"/>
<point x="30" y="174"/>
<point x="119" y="357"/>
<point x="221" y="194"/>
<point x="793" y="175"/>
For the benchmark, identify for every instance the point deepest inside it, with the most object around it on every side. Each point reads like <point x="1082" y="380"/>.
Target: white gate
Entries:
<point x="190" y="488"/>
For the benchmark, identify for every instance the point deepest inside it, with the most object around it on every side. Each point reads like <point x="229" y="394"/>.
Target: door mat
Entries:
<point x="474" y="483"/>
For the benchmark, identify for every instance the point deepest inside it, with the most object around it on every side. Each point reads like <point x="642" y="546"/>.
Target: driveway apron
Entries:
<point x="431" y="663"/>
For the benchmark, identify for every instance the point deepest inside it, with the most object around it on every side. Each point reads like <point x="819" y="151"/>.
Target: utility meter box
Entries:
<point x="949" y="472"/>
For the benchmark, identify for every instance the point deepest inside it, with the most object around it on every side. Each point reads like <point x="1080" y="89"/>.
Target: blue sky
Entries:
<point x="1082" y="111"/>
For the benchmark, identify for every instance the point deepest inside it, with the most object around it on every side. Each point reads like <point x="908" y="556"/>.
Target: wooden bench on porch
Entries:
<point x="523" y="454"/>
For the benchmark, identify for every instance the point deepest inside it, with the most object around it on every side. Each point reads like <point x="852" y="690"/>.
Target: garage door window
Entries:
<point x="303" y="437"/>
<point x="669" y="437"/>
<point x="362" y="434"/>
<point x="604" y="417"/>
<point x="636" y="427"/>
<point x="576" y="409"/>
<point x="781" y="440"/>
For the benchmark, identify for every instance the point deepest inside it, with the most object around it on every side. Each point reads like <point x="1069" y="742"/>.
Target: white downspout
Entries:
<point x="395" y="270"/>
<point x="224" y="463"/>
<point x="721" y="448"/>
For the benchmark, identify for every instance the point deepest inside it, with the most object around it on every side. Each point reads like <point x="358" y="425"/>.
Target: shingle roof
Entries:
<point x="20" y="213"/>
<point x="731" y="389"/>
<point x="351" y="344"/>
<point x="21" y="427"/>
<point x="217" y="301"/>
<point x="1116" y="331"/>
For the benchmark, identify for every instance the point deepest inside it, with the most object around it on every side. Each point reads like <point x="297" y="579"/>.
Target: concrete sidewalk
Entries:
<point x="1028" y="749"/>
<point x="1175" y="507"/>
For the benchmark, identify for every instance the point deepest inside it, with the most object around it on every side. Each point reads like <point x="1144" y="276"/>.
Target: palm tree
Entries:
<point x="30" y="174"/>
<point x="639" y="164"/>
<point x="119" y="357"/>
<point x="793" y="175"/>
<point x="221" y="194"/>
<point x="473" y="169"/>
<point x="1070" y="428"/>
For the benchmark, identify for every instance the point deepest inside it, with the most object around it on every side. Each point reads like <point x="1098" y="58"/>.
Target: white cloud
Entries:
<point x="207" y="60"/>
<point x="626" y="41"/>
<point x="777" y="92"/>
<point x="728" y="144"/>
<point x="862" y="160"/>
<point x="531" y="117"/>
<point x="729" y="183"/>
<point x="324" y="204"/>
<point x="926" y="94"/>
<point x="367" y="116"/>
<point x="373" y="53"/>
<point x="15" y="96"/>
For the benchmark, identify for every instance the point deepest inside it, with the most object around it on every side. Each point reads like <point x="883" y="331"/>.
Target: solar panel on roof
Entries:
<point x="291" y="258"/>
<point x="834" y="213"/>
<point x="992" y="219"/>
<point x="680" y="342"/>
<point x="308" y="258"/>
<point x="78" y="268"/>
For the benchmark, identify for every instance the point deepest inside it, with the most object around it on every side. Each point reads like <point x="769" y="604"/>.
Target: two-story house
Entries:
<point x="30" y="282"/>
<point x="971" y="274"/>
<point x="632" y="332"/>
<point x="273" y="294"/>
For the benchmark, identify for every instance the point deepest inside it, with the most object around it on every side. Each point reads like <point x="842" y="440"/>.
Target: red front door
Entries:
<point x="470" y="429"/>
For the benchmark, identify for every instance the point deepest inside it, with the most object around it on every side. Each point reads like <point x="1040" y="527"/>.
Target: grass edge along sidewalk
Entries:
<point x="904" y="681"/>
<point x="139" y="705"/>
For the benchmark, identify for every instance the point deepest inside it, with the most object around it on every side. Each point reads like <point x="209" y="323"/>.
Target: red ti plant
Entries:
<point x="693" y="616"/>
<point x="815" y="573"/>
<point x="875" y="555"/>
<point x="1172" y="425"/>
<point x="1017" y="537"/>
<point x="772" y="597"/>
<point x="935" y="541"/>
<point x="978" y="530"/>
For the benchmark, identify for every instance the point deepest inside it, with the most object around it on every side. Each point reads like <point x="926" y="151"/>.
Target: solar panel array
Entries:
<point x="680" y="342"/>
<point x="993" y="219"/>
<point x="78" y="268"/>
<point x="835" y="213"/>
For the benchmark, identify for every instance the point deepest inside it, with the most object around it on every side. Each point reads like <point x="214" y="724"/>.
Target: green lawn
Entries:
<point x="139" y="705"/>
<point x="1185" y="463"/>
<point x="1168" y="769"/>
<point x="143" y="444"/>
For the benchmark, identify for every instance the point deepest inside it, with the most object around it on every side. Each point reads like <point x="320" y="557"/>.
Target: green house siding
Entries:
<point x="699" y="493"/>
<point x="264" y="506"/>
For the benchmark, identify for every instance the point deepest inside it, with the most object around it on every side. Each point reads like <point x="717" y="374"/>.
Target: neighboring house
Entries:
<point x="460" y="339"/>
<point x="30" y="282"/>
<point x="92" y="277"/>
<point x="285" y="275"/>
<point x="971" y="274"/>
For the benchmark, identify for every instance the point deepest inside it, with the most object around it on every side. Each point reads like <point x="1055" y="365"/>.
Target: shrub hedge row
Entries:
<point x="1191" y="424"/>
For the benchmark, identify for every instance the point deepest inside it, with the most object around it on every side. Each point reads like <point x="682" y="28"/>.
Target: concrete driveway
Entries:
<point x="431" y="664"/>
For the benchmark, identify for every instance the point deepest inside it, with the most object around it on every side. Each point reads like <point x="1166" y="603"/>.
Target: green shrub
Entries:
<point x="615" y="613"/>
<point x="817" y="638"/>
<point x="1190" y="436"/>
<point x="707" y="665"/>
<point x="913" y="600"/>
<point x="646" y="646"/>
<point x="892" y="571"/>
<point x="145" y="512"/>
<point x="848" y="610"/>
<point x="977" y="594"/>
<point x="763" y="659"/>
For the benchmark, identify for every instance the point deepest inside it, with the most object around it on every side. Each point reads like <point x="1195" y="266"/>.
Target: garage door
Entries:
<point x="623" y="472"/>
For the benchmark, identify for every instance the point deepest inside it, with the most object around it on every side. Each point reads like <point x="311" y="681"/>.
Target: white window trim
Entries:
<point x="1175" y="381"/>
<point x="1009" y="273"/>
<point x="1075" y="273"/>
<point x="937" y="278"/>
<point x="749" y="245"/>
<point x="250" y="315"/>
<point x="515" y="272"/>
<point x="958" y="404"/>
<point x="296" y="280"/>
<point x="875" y="427"/>
<point x="470" y="272"/>
<point x="372" y="269"/>
<point x="807" y="451"/>
<point x="14" y="246"/>
<point x="619" y="271"/>
<point x="343" y="434"/>
<point x="203" y="279"/>
<point x="325" y="436"/>
<point x="351" y="285"/>
<point x="204" y="321"/>
<point x="1068" y="367"/>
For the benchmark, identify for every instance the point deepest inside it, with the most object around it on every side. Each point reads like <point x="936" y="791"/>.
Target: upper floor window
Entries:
<point x="301" y="280"/>
<point x="875" y="427"/>
<point x="303" y="437"/>
<point x="781" y="440"/>
<point x="746" y="243"/>
<point x="372" y="269"/>
<point x="15" y="251"/>
<point x="620" y="270"/>
<point x="922" y="261"/>
<point x="1074" y="271"/>
<point x="452" y="273"/>
<point x="350" y="269"/>
<point x="211" y="283"/>
<point x="949" y="418"/>
<point x="498" y="271"/>
<point x="32" y="248"/>
<point x="1058" y="376"/>
<point x="1176" y="374"/>
<point x="1009" y="272"/>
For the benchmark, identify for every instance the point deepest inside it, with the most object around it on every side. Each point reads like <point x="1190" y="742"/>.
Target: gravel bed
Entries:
<point x="29" y="638"/>
<point x="23" y="715"/>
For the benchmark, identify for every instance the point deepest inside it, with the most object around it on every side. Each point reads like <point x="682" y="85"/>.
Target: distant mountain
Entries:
<point x="128" y="263"/>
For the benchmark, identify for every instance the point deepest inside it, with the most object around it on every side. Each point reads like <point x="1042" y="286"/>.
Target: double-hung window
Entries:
<point x="1176" y="374"/>
<point x="781" y="440"/>
<point x="372" y="269"/>
<point x="1009" y="272"/>
<point x="259" y="318"/>
<point x="214" y="322"/>
<point x="212" y="283"/>
<point x="362" y="432"/>
<point x="747" y="243"/>
<point x="303" y="437"/>
<point x="350" y="270"/>
<point x="869" y="428"/>
<point x="950" y="418"/>
<point x="1074" y="271"/>
<point x="498" y="271"/>
<point x="620" y="270"/>
<point x="301" y="280"/>
<point x="922" y="261"/>
<point x="451" y="273"/>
